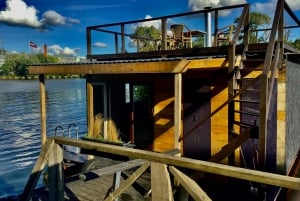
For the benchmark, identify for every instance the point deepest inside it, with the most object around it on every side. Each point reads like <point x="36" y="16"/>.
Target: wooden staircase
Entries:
<point x="246" y="83"/>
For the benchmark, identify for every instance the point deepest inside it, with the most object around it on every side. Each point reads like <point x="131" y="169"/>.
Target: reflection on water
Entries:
<point x="20" y="124"/>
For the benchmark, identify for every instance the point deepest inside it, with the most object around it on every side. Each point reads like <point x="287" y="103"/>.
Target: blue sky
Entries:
<point x="61" y="24"/>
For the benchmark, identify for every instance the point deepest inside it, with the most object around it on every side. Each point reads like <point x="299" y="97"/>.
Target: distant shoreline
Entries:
<point x="35" y="77"/>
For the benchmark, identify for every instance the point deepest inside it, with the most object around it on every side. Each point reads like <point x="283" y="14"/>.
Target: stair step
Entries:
<point x="247" y="113"/>
<point x="253" y="63"/>
<point x="244" y="125"/>
<point x="246" y="101"/>
<point x="246" y="70"/>
<point x="248" y="90"/>
<point x="253" y="60"/>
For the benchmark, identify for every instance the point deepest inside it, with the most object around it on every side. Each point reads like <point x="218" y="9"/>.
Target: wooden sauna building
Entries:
<point x="224" y="102"/>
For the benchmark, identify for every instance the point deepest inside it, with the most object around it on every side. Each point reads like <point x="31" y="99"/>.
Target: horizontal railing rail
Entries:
<point x="119" y="29"/>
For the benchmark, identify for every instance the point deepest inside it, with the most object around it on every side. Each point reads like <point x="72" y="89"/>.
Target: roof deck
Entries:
<point x="209" y="45"/>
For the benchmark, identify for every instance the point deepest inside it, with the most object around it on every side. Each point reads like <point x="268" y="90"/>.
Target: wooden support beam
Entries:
<point x="189" y="185"/>
<point x="55" y="170"/>
<point x="107" y="68"/>
<point x="90" y="105"/>
<point x="160" y="182"/>
<point x="209" y="167"/>
<point x="177" y="109"/>
<point x="43" y="108"/>
<point x="263" y="120"/>
<point x="37" y="170"/>
<point x="128" y="182"/>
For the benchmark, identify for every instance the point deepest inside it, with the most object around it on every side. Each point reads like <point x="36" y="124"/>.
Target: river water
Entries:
<point x="20" y="140"/>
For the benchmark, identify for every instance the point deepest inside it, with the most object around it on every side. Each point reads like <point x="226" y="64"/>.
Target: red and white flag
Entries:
<point x="32" y="44"/>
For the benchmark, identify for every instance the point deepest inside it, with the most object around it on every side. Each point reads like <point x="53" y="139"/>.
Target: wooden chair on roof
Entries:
<point x="182" y="36"/>
<point x="224" y="35"/>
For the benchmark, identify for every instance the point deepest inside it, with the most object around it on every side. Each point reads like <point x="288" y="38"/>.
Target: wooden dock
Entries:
<point x="96" y="185"/>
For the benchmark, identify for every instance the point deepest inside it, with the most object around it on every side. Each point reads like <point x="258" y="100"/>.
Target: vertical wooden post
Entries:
<point x="116" y="43"/>
<point x="231" y="80"/>
<point x="160" y="182"/>
<point x="131" y="117"/>
<point x="55" y="170"/>
<point x="90" y="105"/>
<point x="216" y="28"/>
<point x="281" y="39"/>
<point x="123" y="37"/>
<point x="177" y="109"/>
<point x="163" y="34"/>
<point x="88" y="41"/>
<point x="262" y="121"/>
<point x="43" y="108"/>
<point x="246" y="37"/>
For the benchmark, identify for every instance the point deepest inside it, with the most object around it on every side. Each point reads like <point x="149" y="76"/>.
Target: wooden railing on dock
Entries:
<point x="162" y="163"/>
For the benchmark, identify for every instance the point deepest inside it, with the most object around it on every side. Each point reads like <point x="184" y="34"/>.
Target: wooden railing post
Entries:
<point x="163" y="33"/>
<point x="160" y="182"/>
<point x="88" y="41"/>
<point x="123" y="37"/>
<point x="116" y="43"/>
<point x="39" y="166"/>
<point x="56" y="178"/>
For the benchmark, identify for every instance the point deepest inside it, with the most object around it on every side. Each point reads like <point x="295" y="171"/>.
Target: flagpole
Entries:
<point x="29" y="47"/>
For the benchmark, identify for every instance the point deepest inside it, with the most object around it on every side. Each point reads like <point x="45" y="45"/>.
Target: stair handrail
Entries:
<point x="243" y="22"/>
<point x="271" y="45"/>
<point x="266" y="88"/>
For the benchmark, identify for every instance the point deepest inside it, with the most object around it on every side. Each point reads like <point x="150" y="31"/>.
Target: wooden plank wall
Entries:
<point x="219" y="122"/>
<point x="163" y="114"/>
<point x="281" y="125"/>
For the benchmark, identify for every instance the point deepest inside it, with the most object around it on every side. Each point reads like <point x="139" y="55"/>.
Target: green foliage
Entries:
<point x="257" y="20"/>
<point x="141" y="92"/>
<point x="198" y="42"/>
<point x="295" y="43"/>
<point x="146" y="38"/>
<point x="17" y="63"/>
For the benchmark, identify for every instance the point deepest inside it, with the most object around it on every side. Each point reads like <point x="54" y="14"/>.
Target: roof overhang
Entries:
<point x="131" y="67"/>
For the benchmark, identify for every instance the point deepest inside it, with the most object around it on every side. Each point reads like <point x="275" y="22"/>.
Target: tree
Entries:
<point x="296" y="43"/>
<point x="199" y="42"/>
<point x="146" y="37"/>
<point x="17" y="64"/>
<point x="257" y="20"/>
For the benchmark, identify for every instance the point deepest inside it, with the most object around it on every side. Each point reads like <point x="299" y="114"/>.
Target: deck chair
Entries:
<point x="182" y="36"/>
<point x="224" y="35"/>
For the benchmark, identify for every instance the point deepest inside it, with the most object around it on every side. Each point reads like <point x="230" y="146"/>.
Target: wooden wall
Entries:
<point x="163" y="89"/>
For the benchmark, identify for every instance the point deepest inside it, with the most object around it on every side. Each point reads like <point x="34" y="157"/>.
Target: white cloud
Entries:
<point x="100" y="44"/>
<point x="59" y="51"/>
<point x="52" y="18"/>
<point x="154" y="23"/>
<point x="294" y="4"/>
<point x="263" y="7"/>
<point x="270" y="6"/>
<point x="18" y="13"/>
<point x="200" y="4"/>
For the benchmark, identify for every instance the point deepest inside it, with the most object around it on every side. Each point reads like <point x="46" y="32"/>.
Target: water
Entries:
<point x="20" y="140"/>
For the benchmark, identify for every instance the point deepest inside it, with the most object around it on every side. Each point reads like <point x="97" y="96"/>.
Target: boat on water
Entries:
<point x="177" y="121"/>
